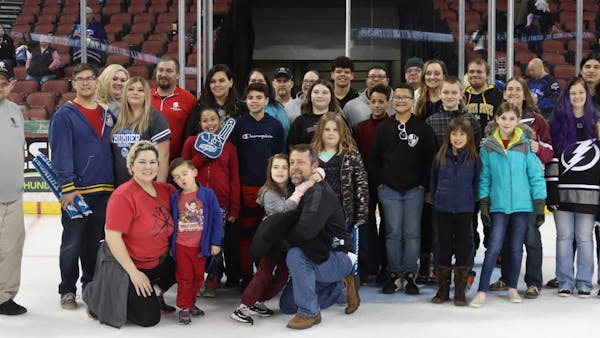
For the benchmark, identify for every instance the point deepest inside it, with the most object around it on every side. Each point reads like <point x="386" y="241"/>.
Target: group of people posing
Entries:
<point x="428" y="155"/>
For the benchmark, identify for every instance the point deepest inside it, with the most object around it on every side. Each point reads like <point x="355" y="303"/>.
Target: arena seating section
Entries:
<point x="140" y="25"/>
<point x="558" y="54"/>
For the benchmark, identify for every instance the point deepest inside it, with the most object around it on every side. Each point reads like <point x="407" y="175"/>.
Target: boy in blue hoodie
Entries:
<point x="198" y="228"/>
<point x="79" y="137"/>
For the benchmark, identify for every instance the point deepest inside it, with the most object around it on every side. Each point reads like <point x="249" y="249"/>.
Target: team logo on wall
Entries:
<point x="584" y="156"/>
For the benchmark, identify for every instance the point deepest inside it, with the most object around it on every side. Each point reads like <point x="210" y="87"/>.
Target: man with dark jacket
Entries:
<point x="320" y="257"/>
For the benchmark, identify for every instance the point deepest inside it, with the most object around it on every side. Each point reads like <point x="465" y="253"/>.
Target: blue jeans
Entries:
<point x="533" y="261"/>
<point x="328" y="294"/>
<point x="41" y="79"/>
<point x="569" y="226"/>
<point x="514" y="227"/>
<point x="311" y="281"/>
<point x="80" y="241"/>
<point x="402" y="227"/>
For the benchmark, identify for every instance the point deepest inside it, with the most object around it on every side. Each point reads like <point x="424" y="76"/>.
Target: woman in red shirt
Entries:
<point x="138" y="228"/>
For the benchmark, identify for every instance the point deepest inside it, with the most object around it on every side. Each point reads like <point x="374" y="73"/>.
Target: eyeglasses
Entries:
<point x="376" y="77"/>
<point x="82" y="80"/>
<point x="403" y="98"/>
<point x="402" y="134"/>
<point x="308" y="82"/>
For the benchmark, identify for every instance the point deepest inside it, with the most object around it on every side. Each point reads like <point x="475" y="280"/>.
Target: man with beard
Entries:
<point x="175" y="103"/>
<point x="283" y="82"/>
<point x="320" y="259"/>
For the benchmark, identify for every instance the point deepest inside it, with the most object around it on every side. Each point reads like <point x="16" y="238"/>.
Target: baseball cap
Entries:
<point x="283" y="71"/>
<point x="414" y="61"/>
<point x="4" y="71"/>
<point x="89" y="10"/>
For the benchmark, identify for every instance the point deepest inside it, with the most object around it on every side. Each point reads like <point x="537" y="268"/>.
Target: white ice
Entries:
<point x="379" y="315"/>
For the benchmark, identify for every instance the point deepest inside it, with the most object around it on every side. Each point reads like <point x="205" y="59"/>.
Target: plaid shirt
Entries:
<point x="440" y="120"/>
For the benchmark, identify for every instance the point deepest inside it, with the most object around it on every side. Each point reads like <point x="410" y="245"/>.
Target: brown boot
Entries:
<point x="352" y="296"/>
<point x="443" y="294"/>
<point x="460" y="284"/>
<point x="301" y="322"/>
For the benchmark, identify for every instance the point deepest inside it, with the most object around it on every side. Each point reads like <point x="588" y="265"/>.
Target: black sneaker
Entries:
<point x="242" y="314"/>
<point x="553" y="283"/>
<point x="583" y="294"/>
<point x="11" y="308"/>
<point x="164" y="307"/>
<point x="410" y="288"/>
<point x="261" y="310"/>
<point x="196" y="311"/>
<point x="564" y="293"/>
<point x="185" y="316"/>
<point x="393" y="284"/>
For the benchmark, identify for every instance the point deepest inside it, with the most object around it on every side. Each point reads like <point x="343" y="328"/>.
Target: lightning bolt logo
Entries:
<point x="578" y="154"/>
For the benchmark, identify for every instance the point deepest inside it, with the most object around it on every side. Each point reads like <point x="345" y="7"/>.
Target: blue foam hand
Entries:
<point x="211" y="144"/>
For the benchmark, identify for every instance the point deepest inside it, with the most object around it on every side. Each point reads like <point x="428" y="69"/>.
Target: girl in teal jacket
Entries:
<point x="511" y="186"/>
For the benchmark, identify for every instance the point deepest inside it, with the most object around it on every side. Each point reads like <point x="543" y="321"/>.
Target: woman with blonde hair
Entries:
<point x="110" y="87"/>
<point x="429" y="101"/>
<point x="344" y="169"/>
<point x="139" y="121"/>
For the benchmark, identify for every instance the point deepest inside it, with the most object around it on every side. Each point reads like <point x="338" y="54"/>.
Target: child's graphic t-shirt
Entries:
<point x="191" y="220"/>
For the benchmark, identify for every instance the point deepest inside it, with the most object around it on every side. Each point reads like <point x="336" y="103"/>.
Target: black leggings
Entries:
<point x="455" y="234"/>
<point x="145" y="311"/>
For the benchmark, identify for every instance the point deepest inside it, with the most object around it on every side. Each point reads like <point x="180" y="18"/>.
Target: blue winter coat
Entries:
<point x="213" y="221"/>
<point x="454" y="186"/>
<point x="512" y="178"/>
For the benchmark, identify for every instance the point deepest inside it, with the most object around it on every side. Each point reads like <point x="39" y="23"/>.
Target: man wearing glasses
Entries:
<point x="359" y="109"/>
<point x="399" y="166"/>
<point x="79" y="138"/>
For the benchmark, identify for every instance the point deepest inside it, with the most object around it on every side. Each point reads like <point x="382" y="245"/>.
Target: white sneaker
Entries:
<point x="478" y="301"/>
<point x="513" y="296"/>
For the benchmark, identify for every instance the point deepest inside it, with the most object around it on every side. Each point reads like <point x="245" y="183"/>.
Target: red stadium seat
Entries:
<point x="43" y="99"/>
<point x="56" y="86"/>
<point x="26" y="87"/>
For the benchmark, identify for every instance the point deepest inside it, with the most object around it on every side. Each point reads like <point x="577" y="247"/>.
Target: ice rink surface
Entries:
<point x="379" y="315"/>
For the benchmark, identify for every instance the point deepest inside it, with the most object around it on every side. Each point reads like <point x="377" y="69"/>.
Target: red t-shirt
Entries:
<point x="191" y="220"/>
<point x="177" y="109"/>
<point x="94" y="117"/>
<point x="146" y="223"/>
<point x="505" y="143"/>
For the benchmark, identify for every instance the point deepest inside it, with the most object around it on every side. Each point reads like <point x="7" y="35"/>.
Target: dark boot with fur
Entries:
<point x="444" y="273"/>
<point x="460" y="285"/>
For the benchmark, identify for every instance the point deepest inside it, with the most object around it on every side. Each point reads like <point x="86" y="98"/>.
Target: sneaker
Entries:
<point x="185" y="316"/>
<point x="470" y="280"/>
<point x="513" y="296"/>
<point x="532" y="292"/>
<point x="11" y="308"/>
<point x="196" y="311"/>
<point x="164" y="307"/>
<point x="478" y="301"/>
<point x="242" y="314"/>
<point x="583" y="294"/>
<point x="301" y="322"/>
<point x="410" y="288"/>
<point x="553" y="283"/>
<point x="261" y="310"/>
<point x="564" y="293"/>
<point x="67" y="301"/>
<point x="210" y="288"/>
<point x="598" y="295"/>
<point x="393" y="284"/>
<point x="500" y="285"/>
